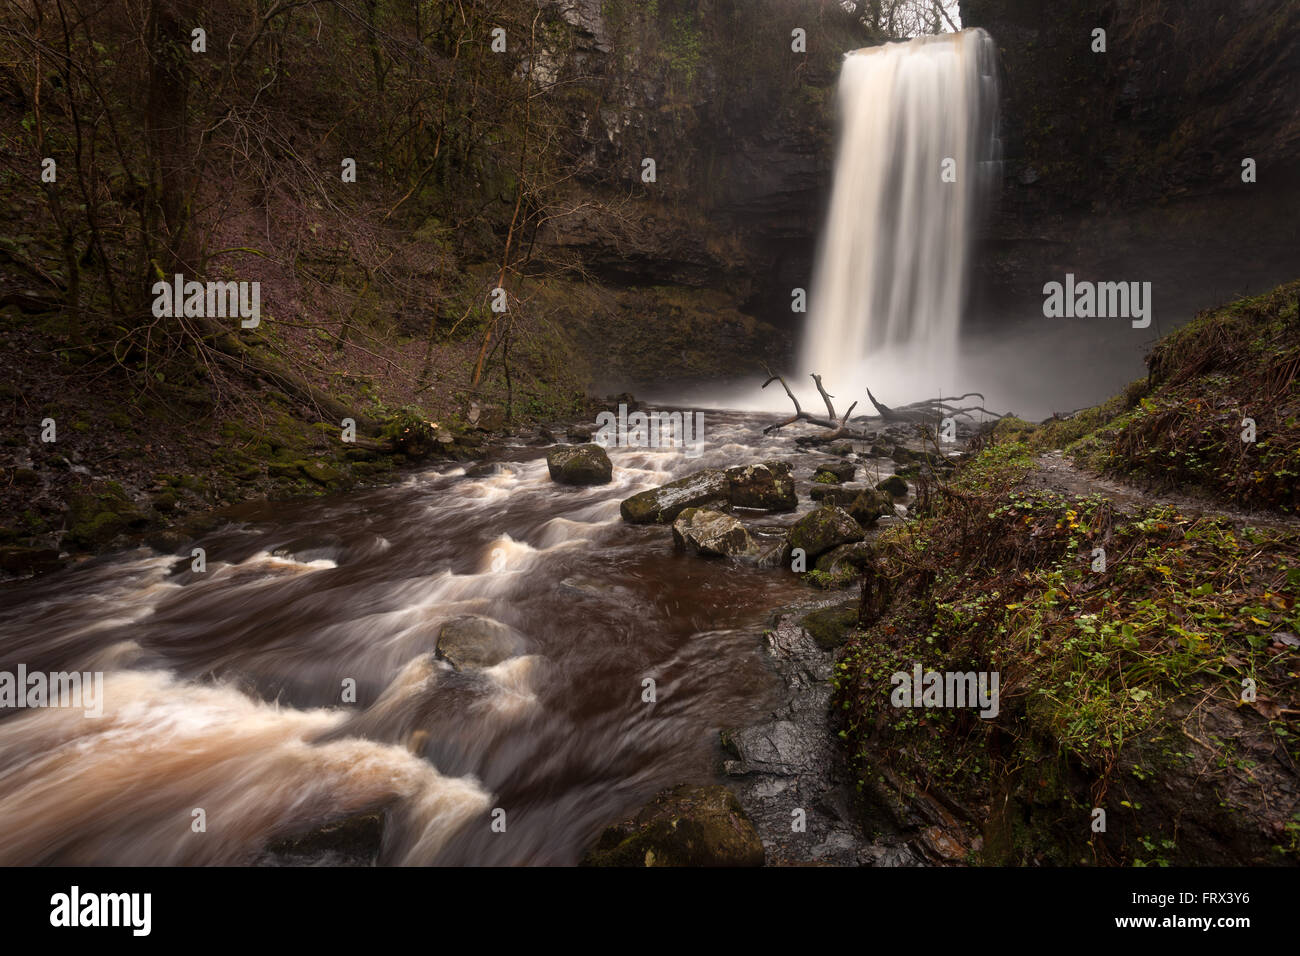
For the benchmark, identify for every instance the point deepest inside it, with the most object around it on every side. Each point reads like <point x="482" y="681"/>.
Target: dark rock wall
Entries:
<point x="740" y="127"/>
<point x="1131" y="159"/>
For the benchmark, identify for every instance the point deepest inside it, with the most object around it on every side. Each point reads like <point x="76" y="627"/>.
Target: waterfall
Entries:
<point x="887" y="295"/>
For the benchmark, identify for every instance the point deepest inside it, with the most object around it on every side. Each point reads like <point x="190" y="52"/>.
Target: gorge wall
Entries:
<point x="740" y="127"/>
<point x="1131" y="160"/>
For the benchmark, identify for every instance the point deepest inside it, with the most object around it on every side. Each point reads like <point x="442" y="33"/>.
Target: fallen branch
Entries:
<point x="839" y="428"/>
<point x="928" y="411"/>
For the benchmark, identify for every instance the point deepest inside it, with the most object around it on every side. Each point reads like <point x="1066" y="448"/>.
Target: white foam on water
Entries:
<point x="122" y="788"/>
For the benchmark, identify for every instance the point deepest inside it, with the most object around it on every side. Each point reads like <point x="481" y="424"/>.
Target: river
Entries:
<point x="224" y="722"/>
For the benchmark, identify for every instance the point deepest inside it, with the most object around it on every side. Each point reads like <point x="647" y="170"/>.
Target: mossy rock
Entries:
<point x="768" y="486"/>
<point x="587" y="464"/>
<point x="870" y="505"/>
<point x="321" y="472"/>
<point x="850" y="559"/>
<point x="685" y="826"/>
<point x="823" y="529"/>
<point x="834" y="494"/>
<point x="95" y="519"/>
<point x="830" y="626"/>
<point x="665" y="503"/>
<point x="96" y="531"/>
<point x="834" y="472"/>
<point x="893" y="485"/>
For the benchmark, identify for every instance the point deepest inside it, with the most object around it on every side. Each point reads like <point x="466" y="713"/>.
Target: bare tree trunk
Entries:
<point x="167" y="127"/>
<point x="519" y="198"/>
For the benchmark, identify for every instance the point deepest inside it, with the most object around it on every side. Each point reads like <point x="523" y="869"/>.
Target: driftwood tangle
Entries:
<point x="927" y="411"/>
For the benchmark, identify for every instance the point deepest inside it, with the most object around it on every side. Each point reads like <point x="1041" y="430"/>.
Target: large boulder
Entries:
<point x="579" y="465"/>
<point x="713" y="534"/>
<point x="825" y="528"/>
<point x="768" y="486"/>
<point x="665" y="503"/>
<point x="476" y="642"/>
<point x="685" y="826"/>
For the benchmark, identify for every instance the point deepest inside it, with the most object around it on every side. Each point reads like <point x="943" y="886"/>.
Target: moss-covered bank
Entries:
<point x="1147" y="654"/>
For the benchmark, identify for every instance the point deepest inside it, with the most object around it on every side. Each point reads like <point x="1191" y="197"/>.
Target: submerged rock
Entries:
<point x="579" y="465"/>
<point x="713" y="534"/>
<point x="773" y="548"/>
<point x="685" y="826"/>
<point x="834" y="494"/>
<point x="22" y="560"/>
<point x="828" y="527"/>
<point x="768" y="486"/>
<point x="352" y="841"/>
<point x="665" y="503"/>
<point x="476" y="642"/>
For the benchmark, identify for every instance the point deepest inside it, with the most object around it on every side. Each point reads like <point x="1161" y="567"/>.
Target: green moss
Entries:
<point x="829" y="627"/>
<point x="1105" y="660"/>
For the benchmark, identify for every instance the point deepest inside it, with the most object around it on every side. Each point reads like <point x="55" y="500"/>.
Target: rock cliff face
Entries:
<point x="739" y="126"/>
<point x="1133" y="157"/>
<point x="1184" y="91"/>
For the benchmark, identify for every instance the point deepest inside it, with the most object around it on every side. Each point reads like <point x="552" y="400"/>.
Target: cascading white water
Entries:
<point x="886" y="301"/>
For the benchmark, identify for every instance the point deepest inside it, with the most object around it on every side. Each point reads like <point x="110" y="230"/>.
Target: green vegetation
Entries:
<point x="1114" y="633"/>
<point x="1184" y="426"/>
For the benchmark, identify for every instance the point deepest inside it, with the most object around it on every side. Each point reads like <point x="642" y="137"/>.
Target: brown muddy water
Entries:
<point x="223" y="690"/>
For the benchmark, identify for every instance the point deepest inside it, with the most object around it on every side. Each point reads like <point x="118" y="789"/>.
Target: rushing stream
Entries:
<point x="223" y="689"/>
